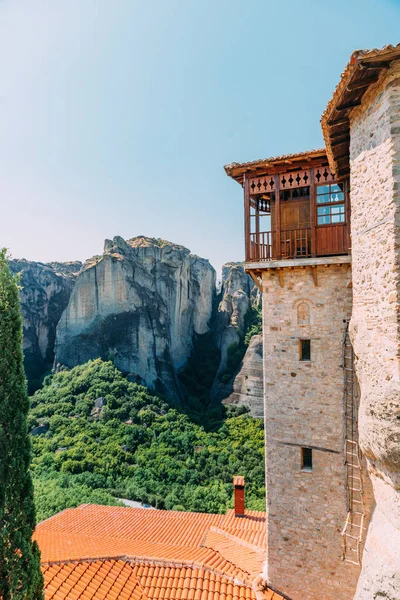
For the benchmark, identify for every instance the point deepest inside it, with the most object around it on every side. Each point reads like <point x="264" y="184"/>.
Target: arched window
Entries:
<point x="303" y="313"/>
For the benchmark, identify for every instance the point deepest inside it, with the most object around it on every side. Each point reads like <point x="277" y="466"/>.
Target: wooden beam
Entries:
<point x="256" y="280"/>
<point x="313" y="216"/>
<point x="337" y="122"/>
<point x="342" y="156"/>
<point x="362" y="84"/>
<point x="247" y="218"/>
<point x="314" y="272"/>
<point x="348" y="105"/>
<point x="338" y="141"/>
<point x="277" y="217"/>
<point x="281" y="280"/>
<point x="336" y="134"/>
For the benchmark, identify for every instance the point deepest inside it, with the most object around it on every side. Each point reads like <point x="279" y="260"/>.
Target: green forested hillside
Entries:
<point x="137" y="446"/>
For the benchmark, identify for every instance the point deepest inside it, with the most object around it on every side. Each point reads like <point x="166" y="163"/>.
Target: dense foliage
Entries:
<point x="136" y="446"/>
<point x="20" y="575"/>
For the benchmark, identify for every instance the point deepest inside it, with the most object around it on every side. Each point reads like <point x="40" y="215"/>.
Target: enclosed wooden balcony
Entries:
<point x="295" y="209"/>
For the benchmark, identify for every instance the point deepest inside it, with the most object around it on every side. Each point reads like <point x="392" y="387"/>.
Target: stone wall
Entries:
<point x="304" y="407"/>
<point x="375" y="208"/>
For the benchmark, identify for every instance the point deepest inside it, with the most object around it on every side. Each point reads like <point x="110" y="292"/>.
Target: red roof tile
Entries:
<point x="167" y="554"/>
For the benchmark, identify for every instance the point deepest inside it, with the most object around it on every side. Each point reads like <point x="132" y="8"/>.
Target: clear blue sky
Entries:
<point x="117" y="116"/>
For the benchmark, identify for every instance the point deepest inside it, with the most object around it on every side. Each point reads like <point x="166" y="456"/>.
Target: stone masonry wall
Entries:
<point x="304" y="407"/>
<point x="375" y="208"/>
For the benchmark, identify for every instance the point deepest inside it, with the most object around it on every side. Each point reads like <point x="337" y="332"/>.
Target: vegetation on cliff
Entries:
<point x="20" y="575"/>
<point x="107" y="438"/>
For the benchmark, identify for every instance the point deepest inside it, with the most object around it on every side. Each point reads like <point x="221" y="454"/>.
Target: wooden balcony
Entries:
<point x="294" y="243"/>
<point x="298" y="213"/>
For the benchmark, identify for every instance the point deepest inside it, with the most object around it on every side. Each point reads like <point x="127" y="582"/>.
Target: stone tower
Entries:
<point x="297" y="250"/>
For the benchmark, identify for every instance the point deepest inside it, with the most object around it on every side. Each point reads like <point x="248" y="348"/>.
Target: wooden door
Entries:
<point x="295" y="228"/>
<point x="295" y="214"/>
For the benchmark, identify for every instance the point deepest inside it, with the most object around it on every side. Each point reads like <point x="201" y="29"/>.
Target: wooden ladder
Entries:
<point x="353" y="530"/>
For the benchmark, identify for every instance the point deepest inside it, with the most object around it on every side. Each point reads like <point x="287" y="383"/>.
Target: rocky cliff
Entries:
<point x="46" y="289"/>
<point x="139" y="304"/>
<point x="239" y="379"/>
<point x="246" y="386"/>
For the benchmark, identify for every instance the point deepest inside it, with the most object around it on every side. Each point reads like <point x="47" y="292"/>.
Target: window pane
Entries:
<point x="324" y="210"/>
<point x="338" y="197"/>
<point x="336" y="188"/>
<point x="322" y="189"/>
<point x="323" y="199"/>
<point x="336" y="209"/>
<point x="337" y="218"/>
<point x="323" y="220"/>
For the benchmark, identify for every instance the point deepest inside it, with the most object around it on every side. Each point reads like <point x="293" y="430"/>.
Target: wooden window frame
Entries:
<point x="330" y="204"/>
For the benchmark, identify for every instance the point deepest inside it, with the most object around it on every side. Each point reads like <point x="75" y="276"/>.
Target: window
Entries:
<point x="306" y="459"/>
<point x="295" y="194"/>
<point x="330" y="204"/>
<point x="305" y="349"/>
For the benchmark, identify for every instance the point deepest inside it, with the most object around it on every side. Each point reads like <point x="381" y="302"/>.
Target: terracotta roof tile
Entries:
<point x="95" y="552"/>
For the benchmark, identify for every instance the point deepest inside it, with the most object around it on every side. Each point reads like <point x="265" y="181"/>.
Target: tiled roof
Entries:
<point x="167" y="554"/>
<point x="236" y="170"/>
<point x="111" y="579"/>
<point x="363" y="69"/>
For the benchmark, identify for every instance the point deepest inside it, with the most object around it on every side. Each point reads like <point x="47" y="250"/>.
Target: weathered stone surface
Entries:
<point x="304" y="408"/>
<point x="375" y="215"/>
<point x="139" y="304"/>
<point x="246" y="387"/>
<point x="238" y="292"/>
<point x="46" y="289"/>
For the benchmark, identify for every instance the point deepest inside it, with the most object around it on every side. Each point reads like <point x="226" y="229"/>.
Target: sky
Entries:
<point x="117" y="117"/>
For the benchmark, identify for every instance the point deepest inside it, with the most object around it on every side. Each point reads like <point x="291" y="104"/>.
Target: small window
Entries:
<point x="331" y="197"/>
<point x="306" y="459"/>
<point x="305" y="349"/>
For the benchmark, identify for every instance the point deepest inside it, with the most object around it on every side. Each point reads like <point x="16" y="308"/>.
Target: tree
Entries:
<point x="20" y="575"/>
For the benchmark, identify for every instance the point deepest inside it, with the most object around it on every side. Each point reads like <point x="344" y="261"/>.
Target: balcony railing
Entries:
<point x="294" y="243"/>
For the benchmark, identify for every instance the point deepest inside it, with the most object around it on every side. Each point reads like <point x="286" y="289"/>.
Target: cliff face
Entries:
<point x="238" y="294"/>
<point x="140" y="303"/>
<point x="46" y="289"/>
<point x="246" y="386"/>
<point x="375" y="332"/>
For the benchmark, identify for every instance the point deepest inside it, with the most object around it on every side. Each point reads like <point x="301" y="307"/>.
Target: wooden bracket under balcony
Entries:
<point x="314" y="272"/>
<point x="257" y="279"/>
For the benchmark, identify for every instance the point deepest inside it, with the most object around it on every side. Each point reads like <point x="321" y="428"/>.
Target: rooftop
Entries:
<point x="113" y="552"/>
<point x="237" y="170"/>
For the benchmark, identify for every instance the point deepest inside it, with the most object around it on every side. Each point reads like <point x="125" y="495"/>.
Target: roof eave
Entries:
<point x="335" y="120"/>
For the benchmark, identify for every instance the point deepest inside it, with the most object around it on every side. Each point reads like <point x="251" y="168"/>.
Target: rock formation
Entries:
<point x="46" y="289"/>
<point x="245" y="384"/>
<point x="246" y="387"/>
<point x="139" y="304"/>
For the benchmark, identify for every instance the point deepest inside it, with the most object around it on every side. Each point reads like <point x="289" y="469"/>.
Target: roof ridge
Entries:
<point x="236" y="539"/>
<point x="247" y="581"/>
<point x="138" y="508"/>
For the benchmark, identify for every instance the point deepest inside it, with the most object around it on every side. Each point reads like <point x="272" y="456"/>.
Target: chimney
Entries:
<point x="238" y="486"/>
